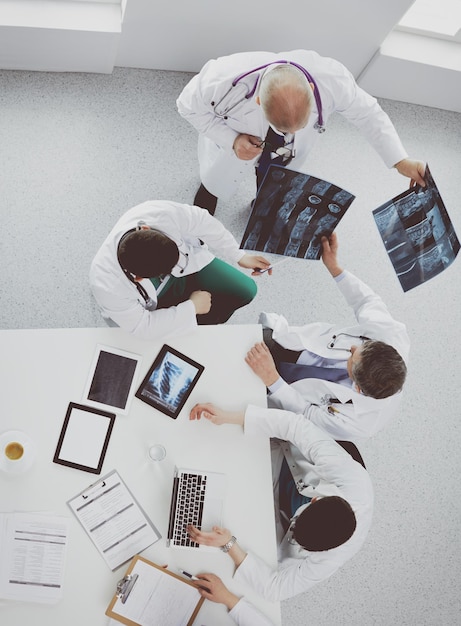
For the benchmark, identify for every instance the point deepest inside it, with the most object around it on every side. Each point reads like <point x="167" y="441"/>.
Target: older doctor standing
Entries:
<point x="256" y="108"/>
<point x="154" y="275"/>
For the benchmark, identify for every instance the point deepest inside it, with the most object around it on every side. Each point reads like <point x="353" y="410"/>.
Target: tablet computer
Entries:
<point x="84" y="438"/>
<point x="169" y="381"/>
<point x="112" y="379"/>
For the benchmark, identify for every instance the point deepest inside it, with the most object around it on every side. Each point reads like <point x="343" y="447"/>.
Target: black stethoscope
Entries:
<point x="222" y="109"/>
<point x="332" y="344"/>
<point x="150" y="303"/>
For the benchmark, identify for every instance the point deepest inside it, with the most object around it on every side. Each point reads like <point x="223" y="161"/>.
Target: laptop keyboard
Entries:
<point x="189" y="509"/>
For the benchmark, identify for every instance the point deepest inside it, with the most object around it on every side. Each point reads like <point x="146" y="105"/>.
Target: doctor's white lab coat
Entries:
<point x="208" y="93"/>
<point x="192" y="229"/>
<point x="325" y="469"/>
<point x="364" y="416"/>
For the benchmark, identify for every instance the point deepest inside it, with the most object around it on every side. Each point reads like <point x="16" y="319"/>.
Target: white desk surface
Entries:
<point x="43" y="370"/>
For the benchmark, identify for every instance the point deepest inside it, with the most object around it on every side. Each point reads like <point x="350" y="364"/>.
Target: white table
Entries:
<point x="43" y="370"/>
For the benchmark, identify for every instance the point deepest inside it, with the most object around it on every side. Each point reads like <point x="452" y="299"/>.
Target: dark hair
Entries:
<point x="380" y="371"/>
<point x="326" y="523"/>
<point x="147" y="253"/>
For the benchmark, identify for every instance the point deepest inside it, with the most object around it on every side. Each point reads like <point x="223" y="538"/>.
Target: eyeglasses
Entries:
<point x="285" y="151"/>
<point x="337" y="339"/>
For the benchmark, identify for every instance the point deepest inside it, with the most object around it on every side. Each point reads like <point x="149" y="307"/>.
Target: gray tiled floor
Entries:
<point x="78" y="150"/>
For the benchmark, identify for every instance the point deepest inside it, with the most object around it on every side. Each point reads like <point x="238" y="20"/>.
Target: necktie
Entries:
<point x="272" y="142"/>
<point x="289" y="497"/>
<point x="290" y="372"/>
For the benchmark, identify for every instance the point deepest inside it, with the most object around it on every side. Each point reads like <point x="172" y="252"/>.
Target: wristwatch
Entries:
<point x="227" y="546"/>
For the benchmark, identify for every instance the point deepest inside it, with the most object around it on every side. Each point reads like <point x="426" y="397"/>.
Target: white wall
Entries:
<point x="416" y="69"/>
<point x="59" y="35"/>
<point x="182" y="35"/>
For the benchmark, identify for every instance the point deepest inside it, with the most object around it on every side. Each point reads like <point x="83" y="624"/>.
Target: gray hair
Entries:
<point x="286" y="97"/>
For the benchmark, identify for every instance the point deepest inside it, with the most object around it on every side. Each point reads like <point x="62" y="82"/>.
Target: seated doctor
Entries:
<point x="242" y="612"/>
<point x="346" y="380"/>
<point x="323" y="503"/>
<point x="252" y="109"/>
<point x="154" y="275"/>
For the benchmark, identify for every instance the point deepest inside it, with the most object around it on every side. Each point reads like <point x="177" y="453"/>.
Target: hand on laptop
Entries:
<point x="216" y="415"/>
<point x="216" y="537"/>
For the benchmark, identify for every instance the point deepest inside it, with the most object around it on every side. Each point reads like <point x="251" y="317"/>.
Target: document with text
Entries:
<point x="113" y="520"/>
<point x="33" y="548"/>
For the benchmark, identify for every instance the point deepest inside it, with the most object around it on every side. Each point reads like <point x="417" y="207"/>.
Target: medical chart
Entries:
<point x="158" y="598"/>
<point x="417" y="233"/>
<point x="113" y="520"/>
<point x="33" y="548"/>
<point x="292" y="212"/>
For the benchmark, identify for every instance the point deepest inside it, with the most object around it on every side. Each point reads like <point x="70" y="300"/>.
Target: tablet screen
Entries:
<point x="169" y="381"/>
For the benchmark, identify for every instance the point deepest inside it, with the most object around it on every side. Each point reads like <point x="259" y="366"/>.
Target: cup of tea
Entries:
<point x="17" y="451"/>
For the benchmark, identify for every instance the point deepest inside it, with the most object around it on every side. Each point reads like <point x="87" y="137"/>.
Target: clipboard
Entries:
<point x="113" y="519"/>
<point x="151" y="590"/>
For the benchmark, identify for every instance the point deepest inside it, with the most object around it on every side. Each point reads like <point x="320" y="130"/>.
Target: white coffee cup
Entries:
<point x="17" y="451"/>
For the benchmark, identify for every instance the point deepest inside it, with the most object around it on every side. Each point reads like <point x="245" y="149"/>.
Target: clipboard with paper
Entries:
<point x="113" y="519"/>
<point x="150" y="595"/>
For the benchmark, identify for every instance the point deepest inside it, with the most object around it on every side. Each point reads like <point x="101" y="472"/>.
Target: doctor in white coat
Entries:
<point x="368" y="392"/>
<point x="231" y="108"/>
<point x="313" y="548"/>
<point x="192" y="287"/>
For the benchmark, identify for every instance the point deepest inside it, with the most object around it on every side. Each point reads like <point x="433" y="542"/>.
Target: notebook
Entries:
<point x="197" y="498"/>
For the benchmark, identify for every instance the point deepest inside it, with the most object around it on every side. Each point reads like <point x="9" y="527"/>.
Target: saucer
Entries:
<point x="25" y="462"/>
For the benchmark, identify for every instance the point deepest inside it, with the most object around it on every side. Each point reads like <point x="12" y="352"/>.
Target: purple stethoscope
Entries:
<point x="230" y="100"/>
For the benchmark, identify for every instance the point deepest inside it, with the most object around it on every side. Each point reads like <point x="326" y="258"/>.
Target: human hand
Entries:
<point x="216" y="415"/>
<point x="201" y="301"/>
<point x="329" y="254"/>
<point x="247" y="147"/>
<point x="256" y="263"/>
<point x="212" y="588"/>
<point x="217" y="537"/>
<point x="261" y="362"/>
<point x="412" y="169"/>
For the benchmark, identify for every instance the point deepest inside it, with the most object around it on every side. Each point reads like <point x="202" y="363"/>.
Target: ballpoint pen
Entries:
<point x="184" y="573"/>
<point x="273" y="265"/>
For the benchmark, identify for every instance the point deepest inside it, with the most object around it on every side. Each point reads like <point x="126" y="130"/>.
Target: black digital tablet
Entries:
<point x="169" y="381"/>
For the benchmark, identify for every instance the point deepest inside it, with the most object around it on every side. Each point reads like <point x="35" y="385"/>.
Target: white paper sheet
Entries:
<point x="33" y="549"/>
<point x="158" y="599"/>
<point x="113" y="520"/>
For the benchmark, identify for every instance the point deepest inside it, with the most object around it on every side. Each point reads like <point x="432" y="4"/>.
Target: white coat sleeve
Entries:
<point x="246" y="614"/>
<point x="334" y="466"/>
<point x="364" y="112"/>
<point x="198" y="222"/>
<point x="372" y="313"/>
<point x="194" y="105"/>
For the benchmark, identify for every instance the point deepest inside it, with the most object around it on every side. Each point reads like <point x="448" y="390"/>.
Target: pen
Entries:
<point x="184" y="573"/>
<point x="273" y="265"/>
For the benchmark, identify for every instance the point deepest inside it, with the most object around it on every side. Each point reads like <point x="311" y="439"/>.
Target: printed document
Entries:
<point x="113" y="519"/>
<point x="33" y="548"/>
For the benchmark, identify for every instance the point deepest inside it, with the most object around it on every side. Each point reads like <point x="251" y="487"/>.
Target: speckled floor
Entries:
<point x="80" y="149"/>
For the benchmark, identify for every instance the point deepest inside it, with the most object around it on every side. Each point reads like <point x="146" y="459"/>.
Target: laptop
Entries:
<point x="197" y="498"/>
